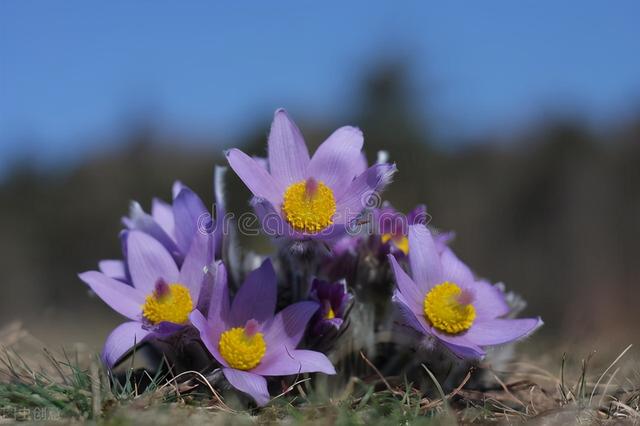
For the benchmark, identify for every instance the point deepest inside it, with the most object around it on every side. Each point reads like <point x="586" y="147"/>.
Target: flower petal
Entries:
<point x="288" y="155"/>
<point x="288" y="326"/>
<point x="426" y="268"/>
<point x="413" y="295"/>
<point x="461" y="345"/>
<point x="149" y="261"/>
<point x="208" y="334"/>
<point x="453" y="269"/>
<point x="191" y="216"/>
<point x="337" y="160"/>
<point x="121" y="340"/>
<point x="249" y="383"/>
<point x="141" y="221"/>
<point x="285" y="363"/>
<point x="499" y="331"/>
<point x="408" y="316"/>
<point x="113" y="269"/>
<point x="218" y="312"/>
<point x="362" y="192"/>
<point x="256" y="298"/>
<point x="195" y="263"/>
<point x="489" y="301"/>
<point x="162" y="213"/>
<point x="121" y="297"/>
<point x="257" y="179"/>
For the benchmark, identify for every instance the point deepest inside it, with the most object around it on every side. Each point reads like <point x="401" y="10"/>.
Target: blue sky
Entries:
<point x="75" y="71"/>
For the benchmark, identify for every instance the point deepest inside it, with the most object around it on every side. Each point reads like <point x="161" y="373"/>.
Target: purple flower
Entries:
<point x="161" y="295"/>
<point x="334" y="300"/>
<point x="443" y="300"/>
<point x="310" y="198"/>
<point x="173" y="225"/>
<point x="250" y="341"/>
<point x="392" y="227"/>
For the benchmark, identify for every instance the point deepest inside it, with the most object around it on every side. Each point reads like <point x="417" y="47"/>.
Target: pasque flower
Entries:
<point x="308" y="198"/>
<point x="334" y="299"/>
<point x="161" y="295"/>
<point x="172" y="225"/>
<point x="392" y="227"/>
<point x="250" y="340"/>
<point x="442" y="299"/>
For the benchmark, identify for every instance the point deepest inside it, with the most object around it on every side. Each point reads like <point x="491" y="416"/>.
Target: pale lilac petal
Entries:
<point x="257" y="179"/>
<point x="426" y="268"/>
<point x="453" y="269"/>
<point x="208" y="334"/>
<point x="337" y="160"/>
<point x="149" y="261"/>
<point x="288" y="326"/>
<point x="197" y="259"/>
<point x="121" y="340"/>
<point x="249" y="383"/>
<point x="285" y="363"/>
<point x="191" y="216"/>
<point x="460" y="344"/>
<point x="499" y="331"/>
<point x="407" y="315"/>
<point x="176" y="188"/>
<point x="361" y="166"/>
<point x="141" y="221"/>
<point x="218" y="313"/>
<point x="219" y="223"/>
<point x="408" y="288"/>
<point x="113" y="269"/>
<point x="288" y="155"/>
<point x="121" y="297"/>
<point x="364" y="191"/>
<point x="256" y="298"/>
<point x="489" y="301"/>
<point x="162" y="213"/>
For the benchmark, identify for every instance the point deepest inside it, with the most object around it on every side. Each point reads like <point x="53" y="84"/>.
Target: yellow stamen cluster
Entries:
<point x="173" y="306"/>
<point x="309" y="208"/>
<point x="444" y="310"/>
<point x="400" y="241"/>
<point x="241" y="351"/>
<point x="330" y="314"/>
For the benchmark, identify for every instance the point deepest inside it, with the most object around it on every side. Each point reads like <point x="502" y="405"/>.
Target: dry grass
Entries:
<point x="38" y="385"/>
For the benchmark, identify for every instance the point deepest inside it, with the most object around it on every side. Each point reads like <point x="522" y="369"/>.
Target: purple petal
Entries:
<point x="198" y="258"/>
<point x="337" y="160"/>
<point x="121" y="340"/>
<point x="208" y="334"/>
<point x="453" y="269"/>
<point x="257" y="179"/>
<point x="499" y="331"/>
<point x="249" y="383"/>
<point x="409" y="316"/>
<point x="288" y="155"/>
<point x="190" y="217"/>
<point x="121" y="297"/>
<point x="285" y="363"/>
<point x="256" y="298"/>
<point x="460" y="345"/>
<point x="176" y="188"/>
<point x="361" y="165"/>
<point x="141" y="221"/>
<point x="288" y="326"/>
<point x="162" y="213"/>
<point x="363" y="192"/>
<point x="113" y="269"/>
<point x="149" y="261"/>
<point x="220" y="209"/>
<point x="426" y="268"/>
<point x="489" y="301"/>
<point x="413" y="295"/>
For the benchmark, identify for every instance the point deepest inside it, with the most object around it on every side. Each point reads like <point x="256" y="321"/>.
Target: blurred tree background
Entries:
<point x="553" y="210"/>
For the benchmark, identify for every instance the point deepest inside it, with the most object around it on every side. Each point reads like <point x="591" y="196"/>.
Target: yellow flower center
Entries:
<point x="242" y="347"/>
<point x="400" y="241"/>
<point x="330" y="314"/>
<point x="169" y="302"/>
<point x="448" y="308"/>
<point x="309" y="206"/>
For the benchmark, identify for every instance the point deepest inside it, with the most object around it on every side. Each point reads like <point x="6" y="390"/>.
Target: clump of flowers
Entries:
<point x="347" y="271"/>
